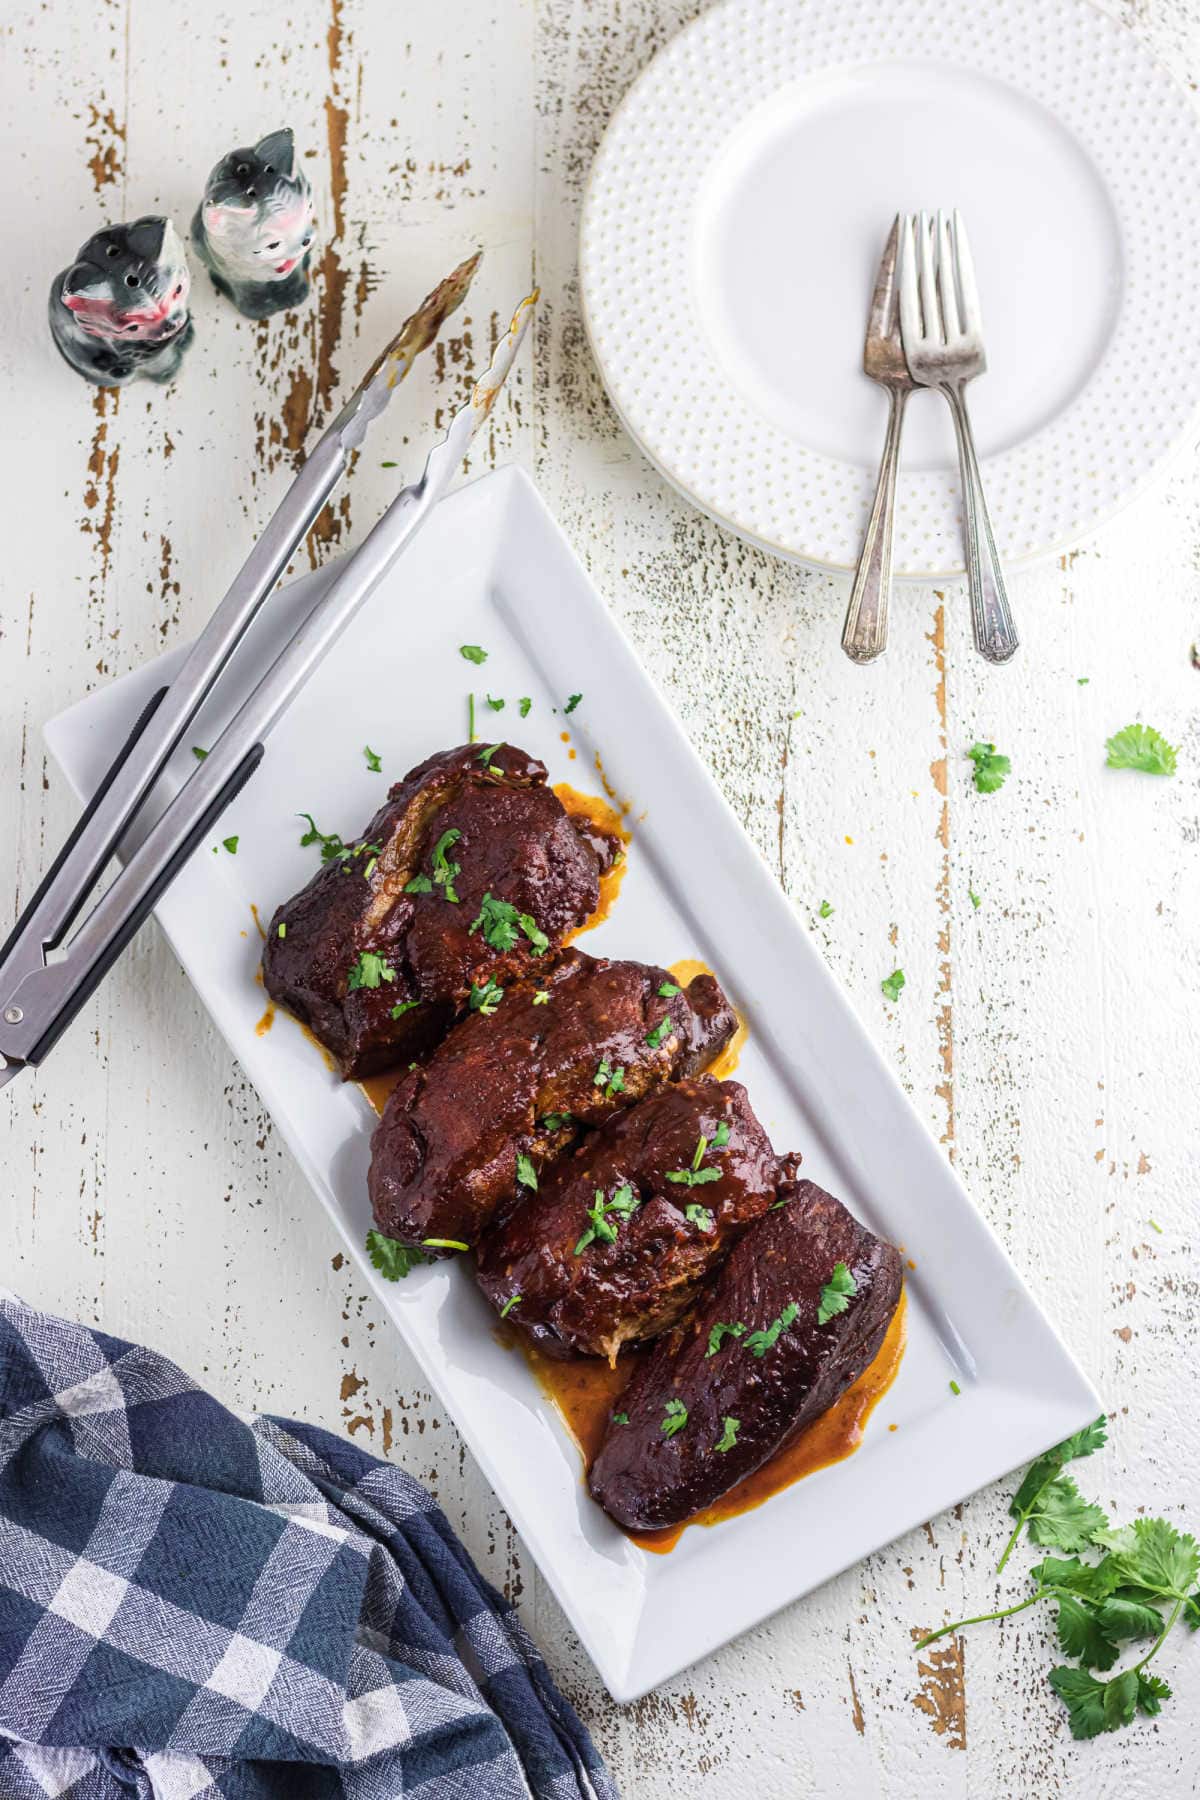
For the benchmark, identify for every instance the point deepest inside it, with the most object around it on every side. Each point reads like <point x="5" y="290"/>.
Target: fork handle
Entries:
<point x="864" y="635"/>
<point x="991" y="617"/>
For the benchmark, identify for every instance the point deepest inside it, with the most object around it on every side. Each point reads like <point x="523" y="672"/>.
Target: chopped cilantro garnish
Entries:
<point x="991" y="769"/>
<point x="620" y="1418"/>
<point x="729" y="1435"/>
<point x="836" y="1294"/>
<point x="373" y="762"/>
<point x="393" y="1260"/>
<point x="420" y="884"/>
<point x="495" y="705"/>
<point x="541" y="997"/>
<point x="513" y="1300"/>
<point x="444" y="871"/>
<point x="556" y="1121"/>
<point x="695" y="1176"/>
<point x="623" y="1203"/>
<point x="610" y="1079"/>
<point x="473" y="653"/>
<point x="720" y="1332"/>
<point x="674" y="1418"/>
<point x="720" y="1136"/>
<point x="282" y="932"/>
<point x="759" y="1342"/>
<point x="663" y="1029"/>
<point x="486" y="754"/>
<point x="526" y="1173"/>
<point x="487" y="998"/>
<point x="331" y="844"/>
<point x="445" y="1243"/>
<point x="470" y="718"/>
<point x="892" y="984"/>
<point x="825" y="910"/>
<point x="1140" y="747"/>
<point x="231" y="845"/>
<point x="699" y="1215"/>
<point x="955" y="1389"/>
<point x="523" y="705"/>
<point x="668" y="990"/>
<point x="198" y="753"/>
<point x="404" y="1006"/>
<point x="976" y="902"/>
<point x="572" y="703"/>
<point x="369" y="970"/>
<point x="499" y="922"/>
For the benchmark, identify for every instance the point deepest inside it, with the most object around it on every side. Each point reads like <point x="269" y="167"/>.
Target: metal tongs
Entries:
<point x="42" y="983"/>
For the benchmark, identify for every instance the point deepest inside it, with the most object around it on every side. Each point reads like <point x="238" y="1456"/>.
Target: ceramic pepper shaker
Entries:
<point x="121" y="310"/>
<point x="253" y="229"/>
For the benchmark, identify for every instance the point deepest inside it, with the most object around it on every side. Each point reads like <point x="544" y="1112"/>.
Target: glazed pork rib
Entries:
<point x="472" y="872"/>
<point x="620" y="1234"/>
<point x="751" y="1366"/>
<point x="518" y="1082"/>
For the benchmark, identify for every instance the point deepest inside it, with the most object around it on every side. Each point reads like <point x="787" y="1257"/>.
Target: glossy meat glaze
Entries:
<point x="655" y="1471"/>
<point x="461" y="825"/>
<point x="557" y="1056"/>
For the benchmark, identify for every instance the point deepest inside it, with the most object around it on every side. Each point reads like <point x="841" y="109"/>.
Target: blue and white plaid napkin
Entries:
<point x="191" y="1606"/>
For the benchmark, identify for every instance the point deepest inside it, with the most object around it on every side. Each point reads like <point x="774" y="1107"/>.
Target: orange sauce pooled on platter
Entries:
<point x="587" y="1392"/>
<point x="606" y="818"/>
<point x="684" y="970"/>
<point x="265" y="1023"/>
<point x="378" y="1088"/>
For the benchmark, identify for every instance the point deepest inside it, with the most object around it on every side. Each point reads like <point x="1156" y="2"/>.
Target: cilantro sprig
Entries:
<point x="759" y="1342"/>
<point x="837" y="1293"/>
<point x="991" y="769"/>
<point x="502" y="924"/>
<point x="623" y="1203"/>
<point x="675" y="1417"/>
<point x="611" y="1079"/>
<point x="1140" y="747"/>
<point x="369" y="970"/>
<point x="720" y="1331"/>
<point x="393" y="1260"/>
<point x="1142" y="1585"/>
<point x="696" y="1176"/>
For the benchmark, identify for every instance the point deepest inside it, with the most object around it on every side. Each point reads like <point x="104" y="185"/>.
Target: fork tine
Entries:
<point x="972" y="316"/>
<point x="947" y="283"/>
<point x="882" y="319"/>
<point x="929" y="293"/>
<point x="910" y="306"/>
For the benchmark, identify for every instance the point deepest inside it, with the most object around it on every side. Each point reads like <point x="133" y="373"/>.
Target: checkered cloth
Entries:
<point x="193" y="1606"/>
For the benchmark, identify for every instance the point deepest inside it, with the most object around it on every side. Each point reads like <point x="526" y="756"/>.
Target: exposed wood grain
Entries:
<point x="1050" y="1037"/>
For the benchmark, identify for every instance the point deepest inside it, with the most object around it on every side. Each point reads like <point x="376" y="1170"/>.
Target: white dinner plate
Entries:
<point x="491" y="568"/>
<point x="735" y="216"/>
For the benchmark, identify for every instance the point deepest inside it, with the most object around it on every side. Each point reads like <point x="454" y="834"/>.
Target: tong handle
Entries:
<point x="146" y="900"/>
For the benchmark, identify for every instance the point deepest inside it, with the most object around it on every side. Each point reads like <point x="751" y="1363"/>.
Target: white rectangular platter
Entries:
<point x="491" y="568"/>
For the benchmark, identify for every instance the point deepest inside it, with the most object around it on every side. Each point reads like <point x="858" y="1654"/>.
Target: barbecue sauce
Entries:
<point x="587" y="1392"/>
<point x="723" y="1066"/>
<point x="607" y="823"/>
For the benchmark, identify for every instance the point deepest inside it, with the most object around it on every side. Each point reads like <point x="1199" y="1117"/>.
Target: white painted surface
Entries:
<point x="1050" y="1038"/>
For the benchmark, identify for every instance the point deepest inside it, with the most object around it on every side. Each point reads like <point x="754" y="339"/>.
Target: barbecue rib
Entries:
<point x="613" y="1246"/>
<point x="650" y="1478"/>
<point x="504" y="1094"/>
<point x="471" y="872"/>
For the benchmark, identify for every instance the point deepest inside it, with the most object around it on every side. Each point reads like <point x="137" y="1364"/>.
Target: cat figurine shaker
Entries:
<point x="253" y="230"/>
<point x="121" y="310"/>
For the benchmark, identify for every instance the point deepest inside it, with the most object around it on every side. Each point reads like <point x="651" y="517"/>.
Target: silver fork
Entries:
<point x="864" y="635"/>
<point x="942" y="331"/>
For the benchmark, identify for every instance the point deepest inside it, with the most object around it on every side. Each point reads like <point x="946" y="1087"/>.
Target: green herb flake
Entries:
<point x="470" y="718"/>
<point x="611" y="1079"/>
<point x="541" y="997"/>
<point x="572" y="703"/>
<point x="1153" y="1223"/>
<point x="230" y="844"/>
<point x="837" y="1293"/>
<point x="498" y="921"/>
<point x="892" y="985"/>
<point x="445" y="1244"/>
<point x="624" y="1202"/>
<point x="393" y="1260"/>
<point x="759" y="1342"/>
<point x="991" y="769"/>
<point x="282" y="931"/>
<point x="668" y="990"/>
<point x="722" y="1330"/>
<point x="198" y="753"/>
<point x="486" y="754"/>
<point x="331" y="844"/>
<point x="825" y="910"/>
<point x="976" y="902"/>
<point x="620" y="1418"/>
<point x="369" y="970"/>
<point x="664" y="1028"/>
<point x="1140" y="747"/>
<point x="729" y="1436"/>
<point x="402" y="1007"/>
<point x="526" y="1173"/>
<point x="513" y="1300"/>
<point x="700" y="1216"/>
<point x="473" y="653"/>
<point x="721" y="1135"/>
<point x="495" y="705"/>
<point x="556" y="1121"/>
<point x="955" y="1389"/>
<point x="420" y="884"/>
<point x="675" y="1418"/>
<point x="485" y="999"/>
<point x="523" y="705"/>
<point x="1083" y="680"/>
<point x="373" y="762"/>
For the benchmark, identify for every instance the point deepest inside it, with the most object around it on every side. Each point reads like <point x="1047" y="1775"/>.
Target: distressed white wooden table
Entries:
<point x="1051" y="1037"/>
